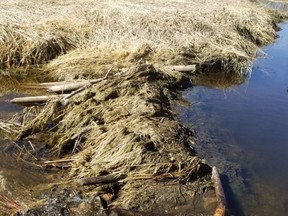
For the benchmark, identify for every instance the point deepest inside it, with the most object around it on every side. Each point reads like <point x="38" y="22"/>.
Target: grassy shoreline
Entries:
<point x="123" y="32"/>
<point x="126" y="124"/>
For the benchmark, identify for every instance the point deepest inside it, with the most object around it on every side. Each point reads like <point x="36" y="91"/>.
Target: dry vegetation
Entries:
<point x="176" y="32"/>
<point x="125" y="124"/>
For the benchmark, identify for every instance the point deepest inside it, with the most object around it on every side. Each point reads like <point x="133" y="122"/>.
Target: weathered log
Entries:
<point x="45" y="85"/>
<point x="65" y="86"/>
<point x="72" y="86"/>
<point x="106" y="179"/>
<point x="58" y="87"/>
<point x="221" y="209"/>
<point x="68" y="87"/>
<point x="184" y="68"/>
<point x="41" y="100"/>
<point x="33" y="101"/>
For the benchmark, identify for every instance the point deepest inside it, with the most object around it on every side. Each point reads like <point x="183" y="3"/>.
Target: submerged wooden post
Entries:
<point x="221" y="209"/>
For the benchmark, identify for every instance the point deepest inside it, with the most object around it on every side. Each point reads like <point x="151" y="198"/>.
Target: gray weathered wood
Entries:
<point x="68" y="87"/>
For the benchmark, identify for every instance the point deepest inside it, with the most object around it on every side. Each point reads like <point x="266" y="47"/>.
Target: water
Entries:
<point x="243" y="130"/>
<point x="20" y="182"/>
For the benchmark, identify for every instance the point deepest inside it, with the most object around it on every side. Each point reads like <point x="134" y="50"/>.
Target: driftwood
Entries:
<point x="73" y="88"/>
<point x="68" y="87"/>
<point x="33" y="101"/>
<point x="61" y="163"/>
<point x="65" y="86"/>
<point x="184" y="68"/>
<point x="221" y="209"/>
<point x="45" y="85"/>
<point x="41" y="100"/>
<point x="106" y="179"/>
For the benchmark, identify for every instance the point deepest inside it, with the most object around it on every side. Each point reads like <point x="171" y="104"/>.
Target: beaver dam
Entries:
<point x="104" y="114"/>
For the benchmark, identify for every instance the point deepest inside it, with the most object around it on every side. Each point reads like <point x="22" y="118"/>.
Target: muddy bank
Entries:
<point x="125" y="125"/>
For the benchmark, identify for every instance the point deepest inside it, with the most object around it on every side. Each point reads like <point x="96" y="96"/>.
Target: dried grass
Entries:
<point x="177" y="32"/>
<point x="22" y="46"/>
<point x="125" y="124"/>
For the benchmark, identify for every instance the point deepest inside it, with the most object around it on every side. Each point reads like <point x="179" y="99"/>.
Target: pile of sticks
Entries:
<point x="61" y="90"/>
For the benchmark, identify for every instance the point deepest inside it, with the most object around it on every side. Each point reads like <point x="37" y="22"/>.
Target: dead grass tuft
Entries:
<point x="22" y="46"/>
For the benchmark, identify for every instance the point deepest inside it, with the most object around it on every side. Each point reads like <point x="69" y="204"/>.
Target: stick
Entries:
<point x="44" y="85"/>
<point x="34" y="100"/>
<point x="100" y="179"/>
<point x="184" y="68"/>
<point x="221" y="200"/>
<point x="59" y="161"/>
<point x="76" y="92"/>
<point x="68" y="87"/>
<point x="58" y="87"/>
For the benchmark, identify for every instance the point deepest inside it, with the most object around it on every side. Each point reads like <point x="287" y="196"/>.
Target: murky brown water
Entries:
<point x="20" y="182"/>
<point x="242" y="129"/>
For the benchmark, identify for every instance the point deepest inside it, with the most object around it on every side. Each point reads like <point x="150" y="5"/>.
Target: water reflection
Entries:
<point x="220" y="80"/>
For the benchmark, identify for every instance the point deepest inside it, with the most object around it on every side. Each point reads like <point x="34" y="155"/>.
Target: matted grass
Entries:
<point x="178" y="32"/>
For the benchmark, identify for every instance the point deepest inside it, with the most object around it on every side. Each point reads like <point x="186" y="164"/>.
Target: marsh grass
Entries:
<point x="176" y="32"/>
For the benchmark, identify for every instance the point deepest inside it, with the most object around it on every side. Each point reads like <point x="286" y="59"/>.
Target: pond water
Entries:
<point x="243" y="129"/>
<point x="20" y="182"/>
